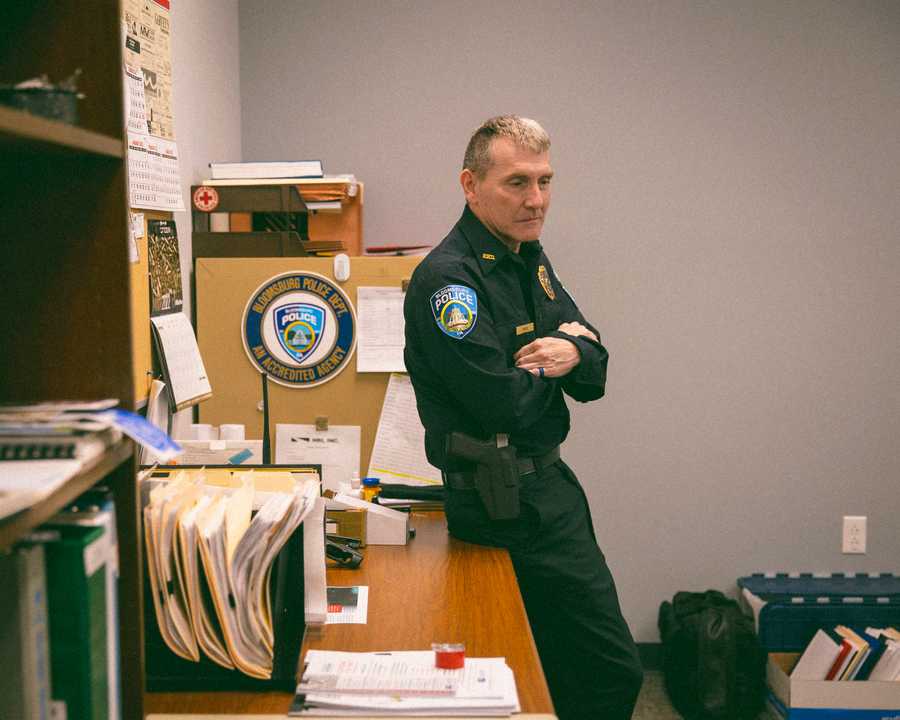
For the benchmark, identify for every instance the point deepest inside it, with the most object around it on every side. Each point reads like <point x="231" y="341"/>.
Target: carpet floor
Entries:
<point x="653" y="703"/>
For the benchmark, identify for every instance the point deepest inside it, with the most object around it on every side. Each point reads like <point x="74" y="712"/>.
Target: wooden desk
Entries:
<point x="435" y="589"/>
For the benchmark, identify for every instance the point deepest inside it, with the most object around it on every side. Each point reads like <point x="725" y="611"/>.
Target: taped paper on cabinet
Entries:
<point x="398" y="455"/>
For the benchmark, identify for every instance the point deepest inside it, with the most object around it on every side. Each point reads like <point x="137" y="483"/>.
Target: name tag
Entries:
<point x="522" y="329"/>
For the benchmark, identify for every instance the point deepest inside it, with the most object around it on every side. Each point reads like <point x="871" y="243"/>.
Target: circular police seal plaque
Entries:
<point x="300" y="328"/>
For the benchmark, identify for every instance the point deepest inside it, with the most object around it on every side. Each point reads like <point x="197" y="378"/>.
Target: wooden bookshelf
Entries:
<point x="66" y="281"/>
<point x="22" y="132"/>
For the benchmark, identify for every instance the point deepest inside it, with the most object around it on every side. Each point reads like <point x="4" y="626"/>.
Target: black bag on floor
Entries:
<point x="713" y="663"/>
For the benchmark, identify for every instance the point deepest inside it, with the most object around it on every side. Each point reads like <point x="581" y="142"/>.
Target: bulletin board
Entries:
<point x="223" y="288"/>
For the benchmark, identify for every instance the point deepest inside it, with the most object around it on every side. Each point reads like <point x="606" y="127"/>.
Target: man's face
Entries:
<point x="513" y="197"/>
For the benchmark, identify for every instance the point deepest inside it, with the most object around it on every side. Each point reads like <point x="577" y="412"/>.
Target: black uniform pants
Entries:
<point x="587" y="652"/>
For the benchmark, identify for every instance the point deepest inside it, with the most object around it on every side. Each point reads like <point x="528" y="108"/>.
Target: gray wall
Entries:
<point x="725" y="209"/>
<point x="206" y="106"/>
<point x="207" y="99"/>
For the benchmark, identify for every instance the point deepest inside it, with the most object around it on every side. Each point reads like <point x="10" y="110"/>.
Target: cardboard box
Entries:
<point x="384" y="526"/>
<point x="349" y="523"/>
<point x="829" y="700"/>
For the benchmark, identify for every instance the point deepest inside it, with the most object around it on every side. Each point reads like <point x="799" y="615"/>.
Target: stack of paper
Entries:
<point x="43" y="446"/>
<point x="266" y="169"/>
<point x="210" y="560"/>
<point x="402" y="683"/>
<point x="24" y="483"/>
<point x="55" y="431"/>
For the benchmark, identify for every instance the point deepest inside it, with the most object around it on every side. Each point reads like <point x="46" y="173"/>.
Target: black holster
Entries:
<point x="496" y="473"/>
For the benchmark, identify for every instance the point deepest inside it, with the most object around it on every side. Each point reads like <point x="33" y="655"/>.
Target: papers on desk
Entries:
<point x="402" y="683"/>
<point x="210" y="560"/>
<point x="398" y="455"/>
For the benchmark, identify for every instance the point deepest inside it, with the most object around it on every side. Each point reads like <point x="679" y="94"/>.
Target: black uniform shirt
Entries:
<point x="470" y="305"/>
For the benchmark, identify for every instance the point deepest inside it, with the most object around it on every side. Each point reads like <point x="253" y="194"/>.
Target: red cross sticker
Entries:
<point x="206" y="199"/>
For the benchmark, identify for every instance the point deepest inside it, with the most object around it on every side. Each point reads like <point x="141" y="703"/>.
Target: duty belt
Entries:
<point x="527" y="465"/>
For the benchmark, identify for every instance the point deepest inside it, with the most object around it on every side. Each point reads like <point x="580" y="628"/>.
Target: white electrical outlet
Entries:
<point x="854" y="542"/>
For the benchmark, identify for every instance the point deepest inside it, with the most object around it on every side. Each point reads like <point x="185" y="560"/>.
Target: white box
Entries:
<point x="830" y="700"/>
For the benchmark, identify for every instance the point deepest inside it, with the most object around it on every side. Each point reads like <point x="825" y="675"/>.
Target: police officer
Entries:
<point x="493" y="342"/>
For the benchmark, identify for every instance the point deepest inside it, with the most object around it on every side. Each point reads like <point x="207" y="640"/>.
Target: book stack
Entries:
<point x="844" y="654"/>
<point x="43" y="446"/>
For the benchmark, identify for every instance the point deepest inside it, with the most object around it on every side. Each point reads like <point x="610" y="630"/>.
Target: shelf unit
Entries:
<point x="65" y="293"/>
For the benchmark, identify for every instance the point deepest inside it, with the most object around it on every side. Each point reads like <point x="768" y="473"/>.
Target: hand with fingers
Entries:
<point x="576" y="328"/>
<point x="553" y="357"/>
<point x="548" y="357"/>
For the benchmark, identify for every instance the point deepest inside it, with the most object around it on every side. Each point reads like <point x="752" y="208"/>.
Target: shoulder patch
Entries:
<point x="455" y="309"/>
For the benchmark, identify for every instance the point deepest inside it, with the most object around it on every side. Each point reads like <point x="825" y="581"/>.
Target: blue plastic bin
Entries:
<point x="789" y="608"/>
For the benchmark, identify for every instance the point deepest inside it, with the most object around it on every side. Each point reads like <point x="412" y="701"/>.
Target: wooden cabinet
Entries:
<point x="64" y="293"/>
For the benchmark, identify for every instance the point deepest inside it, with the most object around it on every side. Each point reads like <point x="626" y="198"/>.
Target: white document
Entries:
<point x="135" y="233"/>
<point x="157" y="415"/>
<point x="221" y="452"/>
<point x="398" y="455"/>
<point x="348" y="605"/>
<point x="379" y="315"/>
<point x="335" y="449"/>
<point x="184" y="370"/>
<point x="25" y="482"/>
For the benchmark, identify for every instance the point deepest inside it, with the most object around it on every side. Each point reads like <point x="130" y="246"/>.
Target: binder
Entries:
<point x="76" y="594"/>
<point x="24" y="649"/>
<point x="96" y="508"/>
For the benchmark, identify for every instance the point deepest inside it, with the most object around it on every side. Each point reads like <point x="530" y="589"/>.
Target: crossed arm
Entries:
<point x="557" y="356"/>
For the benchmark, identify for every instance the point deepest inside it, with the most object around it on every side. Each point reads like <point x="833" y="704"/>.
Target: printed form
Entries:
<point x="398" y="455"/>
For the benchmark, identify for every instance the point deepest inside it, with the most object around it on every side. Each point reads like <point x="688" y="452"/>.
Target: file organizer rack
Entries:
<point x="166" y="672"/>
<point x="273" y="220"/>
<point x="282" y="202"/>
<point x="798" y="605"/>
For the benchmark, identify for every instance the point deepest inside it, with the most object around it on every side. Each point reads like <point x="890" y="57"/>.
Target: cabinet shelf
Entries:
<point x="68" y="278"/>
<point x="15" y="527"/>
<point x="24" y="132"/>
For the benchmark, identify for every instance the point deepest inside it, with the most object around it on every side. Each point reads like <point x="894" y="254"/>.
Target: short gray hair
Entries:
<point x="525" y="132"/>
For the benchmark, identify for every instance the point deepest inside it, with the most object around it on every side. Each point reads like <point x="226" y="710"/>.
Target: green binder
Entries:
<point x="76" y="594"/>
